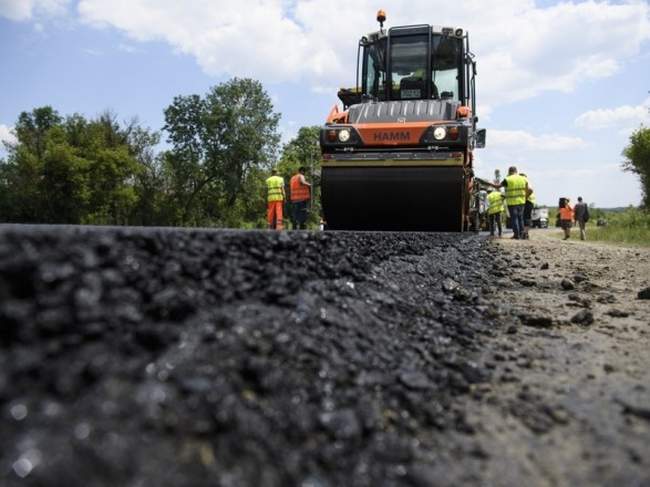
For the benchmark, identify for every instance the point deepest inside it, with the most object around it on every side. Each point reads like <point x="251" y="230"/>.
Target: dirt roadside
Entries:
<point x="569" y="402"/>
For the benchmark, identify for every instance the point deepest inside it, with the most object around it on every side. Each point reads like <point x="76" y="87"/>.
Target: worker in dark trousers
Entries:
<point x="516" y="192"/>
<point x="300" y="197"/>
<point x="566" y="217"/>
<point x="581" y="214"/>
<point x="495" y="208"/>
<point x="528" y="207"/>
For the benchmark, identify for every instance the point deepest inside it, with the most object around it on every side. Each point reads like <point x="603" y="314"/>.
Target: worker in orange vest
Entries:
<point x="566" y="217"/>
<point x="275" y="200"/>
<point x="300" y="197"/>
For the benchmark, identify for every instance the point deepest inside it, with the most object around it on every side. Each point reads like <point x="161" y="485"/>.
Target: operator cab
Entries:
<point x="416" y="62"/>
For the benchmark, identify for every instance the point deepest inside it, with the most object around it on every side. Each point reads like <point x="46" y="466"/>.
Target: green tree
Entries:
<point x="72" y="170"/>
<point x="218" y="142"/>
<point x="32" y="128"/>
<point x="62" y="185"/>
<point x="95" y="170"/>
<point x="111" y="171"/>
<point x="149" y="184"/>
<point x="23" y="170"/>
<point x="637" y="160"/>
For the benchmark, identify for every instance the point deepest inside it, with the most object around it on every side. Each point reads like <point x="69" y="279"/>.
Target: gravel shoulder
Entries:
<point x="569" y="403"/>
<point x="160" y="357"/>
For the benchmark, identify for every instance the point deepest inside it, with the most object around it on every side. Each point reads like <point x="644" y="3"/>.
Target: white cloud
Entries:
<point x="525" y="141"/>
<point x="543" y="157"/>
<point x="522" y="49"/>
<point x="25" y="9"/>
<point x="128" y="48"/>
<point x="248" y="38"/>
<point x="6" y="136"/>
<point x="624" y="117"/>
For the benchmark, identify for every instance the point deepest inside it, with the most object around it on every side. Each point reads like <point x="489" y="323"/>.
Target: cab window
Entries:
<point x="445" y="64"/>
<point x="375" y="82"/>
<point x="408" y="67"/>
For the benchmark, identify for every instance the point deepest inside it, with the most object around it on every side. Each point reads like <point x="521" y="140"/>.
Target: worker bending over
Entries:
<point x="275" y="200"/>
<point x="300" y="197"/>
<point x="495" y="208"/>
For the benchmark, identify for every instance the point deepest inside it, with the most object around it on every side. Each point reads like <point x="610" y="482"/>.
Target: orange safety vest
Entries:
<point x="566" y="213"/>
<point x="299" y="191"/>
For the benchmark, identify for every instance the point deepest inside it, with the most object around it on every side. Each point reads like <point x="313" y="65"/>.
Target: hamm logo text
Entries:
<point x="392" y="136"/>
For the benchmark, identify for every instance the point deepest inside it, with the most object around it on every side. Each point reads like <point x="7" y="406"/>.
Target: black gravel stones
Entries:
<point x="644" y="293"/>
<point x="584" y="317"/>
<point x="415" y="380"/>
<point x="642" y="412"/>
<point x="182" y="357"/>
<point x="617" y="313"/>
<point x="536" y="320"/>
<point x="567" y="284"/>
<point x="579" y="277"/>
<point x="580" y="300"/>
<point x="606" y="298"/>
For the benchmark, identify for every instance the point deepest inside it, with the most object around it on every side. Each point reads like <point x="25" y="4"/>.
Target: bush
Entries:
<point x="631" y="226"/>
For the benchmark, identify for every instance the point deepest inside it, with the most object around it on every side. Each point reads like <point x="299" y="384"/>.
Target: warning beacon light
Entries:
<point x="381" y="18"/>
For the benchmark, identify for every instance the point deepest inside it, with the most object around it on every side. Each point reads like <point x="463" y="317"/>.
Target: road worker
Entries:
<point x="275" y="200"/>
<point x="528" y="207"/>
<point x="581" y="215"/>
<point x="495" y="208"/>
<point x="300" y="198"/>
<point x="566" y="217"/>
<point x="516" y="192"/>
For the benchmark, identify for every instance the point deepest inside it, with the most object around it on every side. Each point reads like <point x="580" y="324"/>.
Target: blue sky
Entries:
<point x="561" y="84"/>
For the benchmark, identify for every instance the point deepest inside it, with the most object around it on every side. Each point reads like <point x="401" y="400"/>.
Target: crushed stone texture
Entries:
<point x="160" y="357"/>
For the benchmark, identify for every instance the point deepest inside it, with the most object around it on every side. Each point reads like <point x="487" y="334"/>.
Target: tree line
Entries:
<point x="220" y="149"/>
<point x="637" y="161"/>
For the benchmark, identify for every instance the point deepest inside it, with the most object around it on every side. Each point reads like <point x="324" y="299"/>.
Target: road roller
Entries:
<point x="398" y="155"/>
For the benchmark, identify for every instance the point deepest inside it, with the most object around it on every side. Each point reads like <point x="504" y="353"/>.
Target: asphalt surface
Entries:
<point x="161" y="357"/>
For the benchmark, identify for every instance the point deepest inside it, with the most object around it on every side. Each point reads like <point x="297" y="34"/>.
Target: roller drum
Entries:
<point x="393" y="198"/>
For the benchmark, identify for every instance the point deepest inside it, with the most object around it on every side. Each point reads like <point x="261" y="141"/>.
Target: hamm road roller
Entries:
<point x="398" y="157"/>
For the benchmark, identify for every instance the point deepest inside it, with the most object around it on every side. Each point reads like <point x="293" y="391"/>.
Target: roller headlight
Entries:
<point x="344" y="135"/>
<point x="439" y="133"/>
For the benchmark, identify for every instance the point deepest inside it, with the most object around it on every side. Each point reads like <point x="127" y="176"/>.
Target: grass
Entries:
<point x="630" y="228"/>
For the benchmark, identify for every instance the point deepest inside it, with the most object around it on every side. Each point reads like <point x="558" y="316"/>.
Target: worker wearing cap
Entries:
<point x="495" y="208"/>
<point x="275" y="200"/>
<point x="300" y="197"/>
<point x="516" y="192"/>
